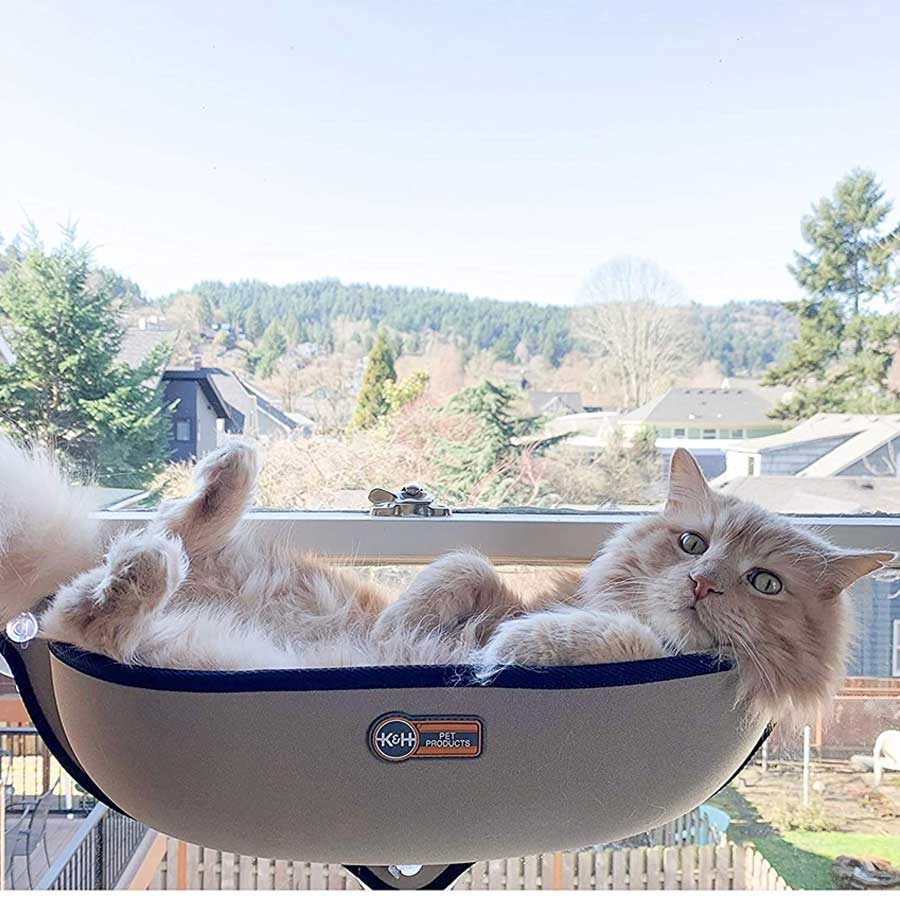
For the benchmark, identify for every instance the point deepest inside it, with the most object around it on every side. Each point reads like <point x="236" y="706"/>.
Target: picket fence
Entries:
<point x="726" y="867"/>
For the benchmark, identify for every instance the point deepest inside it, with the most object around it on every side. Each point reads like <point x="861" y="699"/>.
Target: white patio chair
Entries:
<point x="886" y="753"/>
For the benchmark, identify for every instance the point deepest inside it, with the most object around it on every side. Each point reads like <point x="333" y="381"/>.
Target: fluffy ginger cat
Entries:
<point x="199" y="589"/>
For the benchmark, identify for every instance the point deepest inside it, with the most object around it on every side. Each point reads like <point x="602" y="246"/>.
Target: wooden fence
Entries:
<point x="691" y="828"/>
<point x="725" y="867"/>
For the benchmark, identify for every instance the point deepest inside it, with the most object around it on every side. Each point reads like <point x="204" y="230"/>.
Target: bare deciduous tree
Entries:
<point x="635" y="318"/>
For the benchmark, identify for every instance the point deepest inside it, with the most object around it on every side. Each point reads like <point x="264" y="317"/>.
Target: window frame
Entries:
<point x="507" y="536"/>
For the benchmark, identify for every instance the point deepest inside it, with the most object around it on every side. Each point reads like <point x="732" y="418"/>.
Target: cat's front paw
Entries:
<point x="455" y="590"/>
<point x="568" y="637"/>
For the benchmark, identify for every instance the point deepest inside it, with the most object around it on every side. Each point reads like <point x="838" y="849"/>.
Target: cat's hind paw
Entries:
<point x="233" y="467"/>
<point x="225" y="480"/>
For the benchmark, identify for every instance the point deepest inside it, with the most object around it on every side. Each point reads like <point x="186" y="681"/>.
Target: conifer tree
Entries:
<point x="488" y="459"/>
<point x="271" y="348"/>
<point x="845" y="348"/>
<point x="205" y="312"/>
<point x="372" y="403"/>
<point x="67" y="389"/>
<point x="253" y="323"/>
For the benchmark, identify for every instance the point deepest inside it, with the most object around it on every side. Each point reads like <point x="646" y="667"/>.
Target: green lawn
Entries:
<point x="803" y="858"/>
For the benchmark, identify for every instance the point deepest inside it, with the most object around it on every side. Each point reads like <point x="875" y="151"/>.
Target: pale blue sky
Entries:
<point x="501" y="149"/>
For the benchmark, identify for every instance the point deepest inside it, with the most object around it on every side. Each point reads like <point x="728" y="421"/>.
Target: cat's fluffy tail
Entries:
<point x="46" y="536"/>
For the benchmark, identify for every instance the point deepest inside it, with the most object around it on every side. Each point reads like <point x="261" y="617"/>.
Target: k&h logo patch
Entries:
<point x="397" y="737"/>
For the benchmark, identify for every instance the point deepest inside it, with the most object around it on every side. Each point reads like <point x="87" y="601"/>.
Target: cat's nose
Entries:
<point x="702" y="586"/>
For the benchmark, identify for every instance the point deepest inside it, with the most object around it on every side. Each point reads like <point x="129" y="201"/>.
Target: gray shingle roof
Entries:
<point x="716" y="407"/>
<point x="138" y="344"/>
<point x="821" y="425"/>
<point x="788" y="494"/>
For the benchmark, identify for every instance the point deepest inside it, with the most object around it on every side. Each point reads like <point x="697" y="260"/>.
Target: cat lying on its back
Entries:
<point x="199" y="589"/>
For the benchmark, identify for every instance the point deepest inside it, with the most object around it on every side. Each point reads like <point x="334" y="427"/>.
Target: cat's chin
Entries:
<point x="682" y="630"/>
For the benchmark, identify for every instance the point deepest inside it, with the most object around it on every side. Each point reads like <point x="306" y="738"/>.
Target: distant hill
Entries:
<point x="744" y="337"/>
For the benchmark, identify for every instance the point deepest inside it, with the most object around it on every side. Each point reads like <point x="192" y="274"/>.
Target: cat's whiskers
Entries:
<point x="754" y="658"/>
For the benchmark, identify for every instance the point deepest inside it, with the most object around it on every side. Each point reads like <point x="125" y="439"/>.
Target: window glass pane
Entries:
<point x="503" y="365"/>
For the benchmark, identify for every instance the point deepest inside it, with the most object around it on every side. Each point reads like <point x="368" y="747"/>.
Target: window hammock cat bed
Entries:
<point x="408" y="765"/>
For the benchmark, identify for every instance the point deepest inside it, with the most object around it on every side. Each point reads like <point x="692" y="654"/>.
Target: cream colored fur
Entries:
<point x="199" y="589"/>
<point x="790" y="648"/>
<point x="45" y="534"/>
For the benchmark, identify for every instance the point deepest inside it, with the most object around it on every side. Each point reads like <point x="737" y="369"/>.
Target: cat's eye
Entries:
<point x="765" y="582"/>
<point x="693" y="543"/>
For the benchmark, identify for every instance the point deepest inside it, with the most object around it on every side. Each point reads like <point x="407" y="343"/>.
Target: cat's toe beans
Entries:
<point x="236" y="459"/>
<point x="153" y="564"/>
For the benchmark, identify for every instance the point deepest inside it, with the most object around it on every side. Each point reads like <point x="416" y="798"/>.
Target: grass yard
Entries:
<point x="803" y="858"/>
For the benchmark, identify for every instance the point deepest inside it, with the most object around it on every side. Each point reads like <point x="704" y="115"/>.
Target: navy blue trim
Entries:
<point x="440" y="881"/>
<point x="767" y="731"/>
<point x="552" y="678"/>
<point x="23" y="682"/>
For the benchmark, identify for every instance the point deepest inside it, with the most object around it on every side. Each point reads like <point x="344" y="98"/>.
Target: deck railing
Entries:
<point x="98" y="854"/>
<point x="27" y="771"/>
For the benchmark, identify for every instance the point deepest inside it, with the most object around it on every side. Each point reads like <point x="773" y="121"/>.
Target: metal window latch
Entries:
<point x="412" y="500"/>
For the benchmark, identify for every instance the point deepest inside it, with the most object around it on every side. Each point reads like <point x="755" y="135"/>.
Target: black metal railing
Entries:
<point x="98" y="854"/>
<point x="28" y="771"/>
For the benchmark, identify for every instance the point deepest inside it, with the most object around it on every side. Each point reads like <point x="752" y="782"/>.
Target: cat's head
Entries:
<point x="713" y="572"/>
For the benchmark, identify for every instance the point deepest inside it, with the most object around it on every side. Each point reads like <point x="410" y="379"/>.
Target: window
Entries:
<point x="678" y="432"/>
<point x="183" y="430"/>
<point x="895" y="650"/>
<point x="751" y="465"/>
<point x="709" y="434"/>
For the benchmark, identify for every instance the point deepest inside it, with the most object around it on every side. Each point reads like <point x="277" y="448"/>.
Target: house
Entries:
<point x="555" y="403"/>
<point x="705" y="420"/>
<point x="826" y="445"/>
<point x="875" y="652"/>
<point x="587" y="432"/>
<point x="705" y="414"/>
<point x="212" y="401"/>
<point x="148" y="337"/>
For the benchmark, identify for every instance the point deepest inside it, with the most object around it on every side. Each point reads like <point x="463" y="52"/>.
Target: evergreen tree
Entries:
<point x="205" y="313"/>
<point x="486" y="462"/>
<point x="10" y="254"/>
<point x="844" y="350"/>
<point x="253" y="323"/>
<point x="372" y="403"/>
<point x="293" y="330"/>
<point x="271" y="348"/>
<point x="67" y="389"/>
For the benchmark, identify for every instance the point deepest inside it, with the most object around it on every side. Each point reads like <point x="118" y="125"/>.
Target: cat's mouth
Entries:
<point x="696" y="634"/>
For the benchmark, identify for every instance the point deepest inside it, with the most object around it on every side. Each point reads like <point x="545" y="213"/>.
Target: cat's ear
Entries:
<point x="847" y="566"/>
<point x="687" y="486"/>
